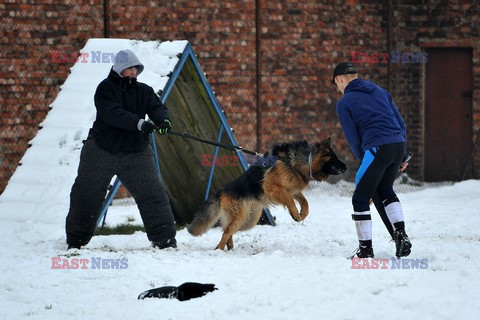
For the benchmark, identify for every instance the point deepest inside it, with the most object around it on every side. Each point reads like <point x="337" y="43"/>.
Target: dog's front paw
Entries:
<point x="303" y="215"/>
<point x="297" y="218"/>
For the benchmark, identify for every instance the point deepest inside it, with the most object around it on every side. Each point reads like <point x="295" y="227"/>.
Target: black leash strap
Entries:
<point x="229" y="147"/>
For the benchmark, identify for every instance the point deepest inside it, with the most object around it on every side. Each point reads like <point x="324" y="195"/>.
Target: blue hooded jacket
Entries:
<point x="369" y="117"/>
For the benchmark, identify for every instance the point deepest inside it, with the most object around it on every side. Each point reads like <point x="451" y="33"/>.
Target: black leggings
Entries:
<point x="378" y="171"/>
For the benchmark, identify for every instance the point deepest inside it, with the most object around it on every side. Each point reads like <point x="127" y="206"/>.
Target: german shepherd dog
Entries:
<point x="239" y="205"/>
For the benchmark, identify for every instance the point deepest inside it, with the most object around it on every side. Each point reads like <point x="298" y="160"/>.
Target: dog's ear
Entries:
<point x="327" y="142"/>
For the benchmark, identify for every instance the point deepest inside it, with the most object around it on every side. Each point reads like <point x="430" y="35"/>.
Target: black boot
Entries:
<point x="168" y="243"/>
<point x="364" y="250"/>
<point x="402" y="243"/>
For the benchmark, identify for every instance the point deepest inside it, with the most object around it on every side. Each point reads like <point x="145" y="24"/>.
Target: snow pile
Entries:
<point x="39" y="189"/>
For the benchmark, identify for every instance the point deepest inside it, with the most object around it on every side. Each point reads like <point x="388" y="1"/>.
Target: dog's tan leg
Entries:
<point x="281" y="196"/>
<point x="230" y="243"/>
<point x="237" y="217"/>
<point x="254" y="212"/>
<point x="227" y="237"/>
<point x="303" y="204"/>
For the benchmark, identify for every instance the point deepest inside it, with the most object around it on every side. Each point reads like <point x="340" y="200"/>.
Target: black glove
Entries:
<point x="164" y="127"/>
<point x="148" y="127"/>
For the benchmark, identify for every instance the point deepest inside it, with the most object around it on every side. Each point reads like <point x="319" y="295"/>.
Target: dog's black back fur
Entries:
<point x="286" y="148"/>
<point x="248" y="185"/>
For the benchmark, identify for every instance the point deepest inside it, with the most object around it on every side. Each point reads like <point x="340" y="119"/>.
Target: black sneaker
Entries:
<point x="363" y="252"/>
<point x="73" y="246"/>
<point x="402" y="243"/>
<point x="169" y="243"/>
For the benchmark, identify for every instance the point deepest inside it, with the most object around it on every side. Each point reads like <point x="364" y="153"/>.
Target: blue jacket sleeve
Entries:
<point x="350" y="129"/>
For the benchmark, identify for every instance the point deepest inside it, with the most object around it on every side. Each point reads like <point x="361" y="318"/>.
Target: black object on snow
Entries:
<point x="186" y="291"/>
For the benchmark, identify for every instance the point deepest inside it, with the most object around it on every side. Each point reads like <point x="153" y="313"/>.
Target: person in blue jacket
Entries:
<point x="376" y="134"/>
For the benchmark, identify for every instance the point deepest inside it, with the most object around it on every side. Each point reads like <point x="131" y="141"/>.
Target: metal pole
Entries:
<point x="210" y="178"/>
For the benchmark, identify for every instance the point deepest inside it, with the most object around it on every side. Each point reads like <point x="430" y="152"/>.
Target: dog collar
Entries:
<point x="310" y="164"/>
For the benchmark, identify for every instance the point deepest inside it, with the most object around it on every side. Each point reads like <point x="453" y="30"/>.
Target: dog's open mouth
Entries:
<point x="336" y="170"/>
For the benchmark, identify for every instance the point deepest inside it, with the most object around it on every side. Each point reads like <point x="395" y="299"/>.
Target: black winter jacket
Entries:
<point x="121" y="103"/>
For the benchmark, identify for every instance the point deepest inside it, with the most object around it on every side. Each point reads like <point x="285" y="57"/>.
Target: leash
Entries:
<point x="215" y="143"/>
<point x="310" y="164"/>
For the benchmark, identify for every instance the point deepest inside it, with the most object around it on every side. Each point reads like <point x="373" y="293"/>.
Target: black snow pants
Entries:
<point x="137" y="172"/>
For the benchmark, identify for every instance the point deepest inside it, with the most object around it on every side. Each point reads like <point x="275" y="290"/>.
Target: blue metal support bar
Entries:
<point x="108" y="202"/>
<point x="210" y="177"/>
<point x="176" y="72"/>
<point x="155" y="154"/>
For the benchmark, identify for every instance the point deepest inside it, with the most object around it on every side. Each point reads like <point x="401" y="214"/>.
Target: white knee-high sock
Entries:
<point x="363" y="224"/>
<point x="394" y="213"/>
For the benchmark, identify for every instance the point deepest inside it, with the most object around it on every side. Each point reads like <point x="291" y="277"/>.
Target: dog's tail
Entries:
<point x="205" y="217"/>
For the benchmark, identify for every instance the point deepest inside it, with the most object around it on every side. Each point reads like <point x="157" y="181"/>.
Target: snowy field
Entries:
<point x="290" y="271"/>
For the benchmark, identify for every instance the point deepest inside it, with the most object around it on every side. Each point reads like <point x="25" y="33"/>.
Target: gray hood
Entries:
<point x="126" y="59"/>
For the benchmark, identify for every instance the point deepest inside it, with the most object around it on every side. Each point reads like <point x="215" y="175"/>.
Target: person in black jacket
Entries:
<point x="376" y="134"/>
<point x="118" y="144"/>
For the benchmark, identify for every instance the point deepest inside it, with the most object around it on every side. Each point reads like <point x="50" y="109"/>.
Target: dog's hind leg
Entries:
<point x="254" y="212"/>
<point x="236" y="218"/>
<point x="230" y="243"/>
<point x="303" y="204"/>
<point x="227" y="237"/>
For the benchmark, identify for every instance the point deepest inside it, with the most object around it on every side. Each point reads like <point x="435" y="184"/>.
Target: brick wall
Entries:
<point x="300" y="41"/>
<point x="222" y="34"/>
<point x="29" y="82"/>
<point x="418" y="27"/>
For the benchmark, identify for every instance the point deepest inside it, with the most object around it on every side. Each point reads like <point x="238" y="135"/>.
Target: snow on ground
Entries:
<point x="290" y="271"/>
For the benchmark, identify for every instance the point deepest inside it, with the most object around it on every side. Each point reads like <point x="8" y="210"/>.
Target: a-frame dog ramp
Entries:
<point x="187" y="166"/>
